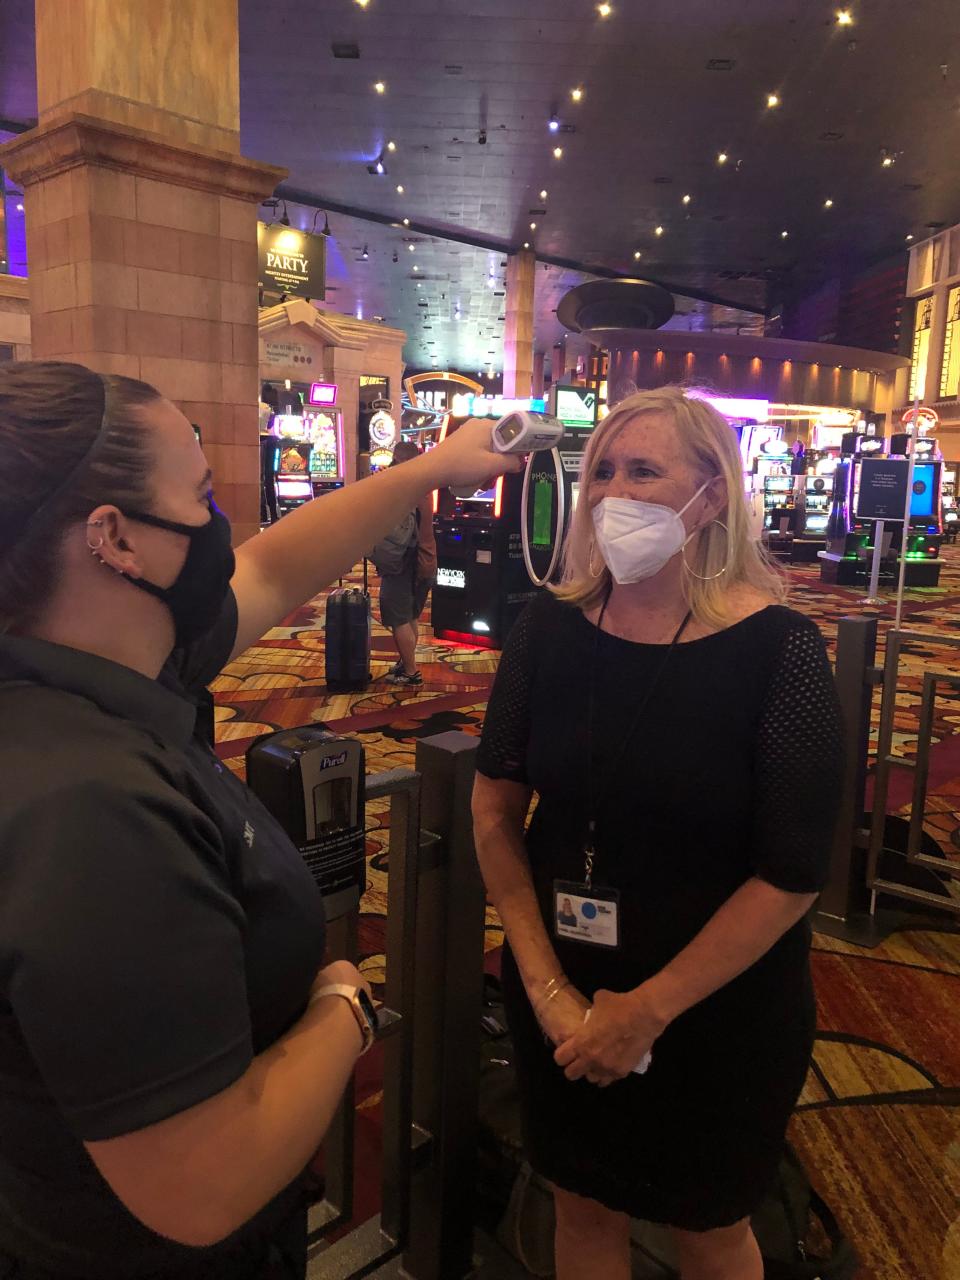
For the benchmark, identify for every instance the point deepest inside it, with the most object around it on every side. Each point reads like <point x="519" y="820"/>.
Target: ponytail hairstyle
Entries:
<point x="70" y="440"/>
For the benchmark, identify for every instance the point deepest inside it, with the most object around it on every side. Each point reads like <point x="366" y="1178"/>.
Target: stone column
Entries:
<point x="141" y="214"/>
<point x="518" y="330"/>
<point x="537" y="385"/>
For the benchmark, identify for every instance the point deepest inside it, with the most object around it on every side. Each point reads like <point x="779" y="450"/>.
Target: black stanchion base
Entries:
<point x="863" y="929"/>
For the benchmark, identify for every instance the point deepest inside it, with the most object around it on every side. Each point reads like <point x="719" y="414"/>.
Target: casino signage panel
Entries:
<point x="291" y="262"/>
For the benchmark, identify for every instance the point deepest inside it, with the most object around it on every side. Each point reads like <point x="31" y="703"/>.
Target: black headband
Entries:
<point x="36" y="517"/>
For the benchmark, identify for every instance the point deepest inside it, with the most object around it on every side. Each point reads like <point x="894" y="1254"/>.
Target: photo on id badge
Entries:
<point x="586" y="915"/>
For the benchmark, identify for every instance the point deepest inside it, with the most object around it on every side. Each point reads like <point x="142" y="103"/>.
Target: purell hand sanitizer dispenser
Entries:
<point x="312" y="781"/>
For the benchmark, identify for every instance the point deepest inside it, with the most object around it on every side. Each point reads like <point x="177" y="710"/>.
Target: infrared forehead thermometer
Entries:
<point x="526" y="432"/>
<point x="521" y="432"/>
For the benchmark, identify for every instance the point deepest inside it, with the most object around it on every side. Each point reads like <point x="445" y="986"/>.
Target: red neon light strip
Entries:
<point x="498" y="499"/>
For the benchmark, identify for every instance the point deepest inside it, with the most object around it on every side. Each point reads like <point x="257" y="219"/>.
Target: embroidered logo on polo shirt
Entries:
<point x="248" y="834"/>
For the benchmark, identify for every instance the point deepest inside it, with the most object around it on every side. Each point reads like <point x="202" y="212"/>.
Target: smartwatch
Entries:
<point x="361" y="1005"/>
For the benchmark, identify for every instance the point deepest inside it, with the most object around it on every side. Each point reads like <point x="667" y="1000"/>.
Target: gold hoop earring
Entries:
<point x="594" y="573"/>
<point x="708" y="577"/>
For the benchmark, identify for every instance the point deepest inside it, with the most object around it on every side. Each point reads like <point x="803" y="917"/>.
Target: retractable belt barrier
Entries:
<point x="429" y="1027"/>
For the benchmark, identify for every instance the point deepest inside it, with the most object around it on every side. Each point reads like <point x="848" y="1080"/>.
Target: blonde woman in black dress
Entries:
<point x="680" y="729"/>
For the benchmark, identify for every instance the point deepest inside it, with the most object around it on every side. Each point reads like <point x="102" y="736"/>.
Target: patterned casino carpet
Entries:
<point x="878" y="1124"/>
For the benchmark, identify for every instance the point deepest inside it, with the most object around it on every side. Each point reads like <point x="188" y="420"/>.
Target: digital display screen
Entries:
<point x="576" y="406"/>
<point x="924" y="491"/>
<point x="542" y="513"/>
<point x="482" y="495"/>
<point x="294" y="489"/>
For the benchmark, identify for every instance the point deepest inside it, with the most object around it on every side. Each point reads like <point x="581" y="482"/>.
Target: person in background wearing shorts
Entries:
<point x="403" y="595"/>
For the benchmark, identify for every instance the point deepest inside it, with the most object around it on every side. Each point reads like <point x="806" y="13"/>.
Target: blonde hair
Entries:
<point x="711" y="448"/>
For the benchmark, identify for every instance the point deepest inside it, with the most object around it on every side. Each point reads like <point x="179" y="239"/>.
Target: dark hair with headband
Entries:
<point x="70" y="440"/>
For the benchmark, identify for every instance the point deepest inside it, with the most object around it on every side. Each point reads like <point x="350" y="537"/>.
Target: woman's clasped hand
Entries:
<point x="608" y="1045"/>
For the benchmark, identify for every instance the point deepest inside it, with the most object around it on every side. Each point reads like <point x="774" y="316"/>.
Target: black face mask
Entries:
<point x="197" y="595"/>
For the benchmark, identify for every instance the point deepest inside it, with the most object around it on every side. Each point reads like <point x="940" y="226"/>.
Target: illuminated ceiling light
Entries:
<point x="844" y="18"/>
<point x="526" y="244"/>
<point x="415" y="267"/>
<point x="391" y="145"/>
<point x="19" y="207"/>
<point x="784" y="235"/>
<point x="909" y="238"/>
<point x="687" y="199"/>
<point x="637" y="255"/>
<point x="406" y="222"/>
<point x="533" y="226"/>
<point x="380" y="87"/>
<point x="411" y="247"/>
<point x="828" y="203"/>
<point x="365" y="254"/>
<point x="557" y="153"/>
<point x="419" y="285"/>
<point x="773" y="100"/>
<point x="543" y="194"/>
<point x="553" y="124"/>
<point x="576" y="94"/>
<point x="604" y="10"/>
<point x="363" y="3"/>
<point x="399" y="188"/>
<point x="722" y="157"/>
<point x="658" y="231"/>
<point x="886" y="159"/>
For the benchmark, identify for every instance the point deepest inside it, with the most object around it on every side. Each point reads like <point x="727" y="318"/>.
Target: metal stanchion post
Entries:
<point x="449" y="993"/>
<point x="844" y="899"/>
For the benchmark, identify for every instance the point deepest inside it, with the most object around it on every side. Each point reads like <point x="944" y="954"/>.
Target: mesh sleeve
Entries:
<point x="506" y="726"/>
<point x="799" y="766"/>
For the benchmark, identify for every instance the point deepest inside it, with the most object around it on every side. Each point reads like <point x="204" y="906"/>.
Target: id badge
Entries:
<point x="590" y="915"/>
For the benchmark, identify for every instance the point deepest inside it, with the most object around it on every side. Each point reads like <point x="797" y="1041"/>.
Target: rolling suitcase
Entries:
<point x="347" y="647"/>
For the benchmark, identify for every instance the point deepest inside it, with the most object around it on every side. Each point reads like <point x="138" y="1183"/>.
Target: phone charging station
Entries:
<point x="312" y="781"/>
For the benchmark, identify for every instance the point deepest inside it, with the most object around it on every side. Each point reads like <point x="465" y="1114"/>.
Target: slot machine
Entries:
<point x="924" y="533"/>
<point x="817" y="492"/>
<point x="847" y="537"/>
<point x="497" y="547"/>
<point x="481" y="585"/>
<point x="324" y="429"/>
<point x="293" y="483"/>
<point x="950" y="474"/>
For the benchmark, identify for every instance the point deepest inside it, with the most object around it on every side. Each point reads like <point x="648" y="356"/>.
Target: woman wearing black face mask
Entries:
<point x="170" y="1051"/>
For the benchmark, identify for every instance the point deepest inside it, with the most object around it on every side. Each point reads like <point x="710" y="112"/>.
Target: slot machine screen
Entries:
<point x="322" y="430"/>
<point x="924" y="491"/>
<point x="483" y="495"/>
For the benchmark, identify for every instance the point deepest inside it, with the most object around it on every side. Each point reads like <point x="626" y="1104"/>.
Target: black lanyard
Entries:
<point x="594" y="797"/>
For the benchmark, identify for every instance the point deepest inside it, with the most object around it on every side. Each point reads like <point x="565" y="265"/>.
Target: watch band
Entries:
<point x="350" y="994"/>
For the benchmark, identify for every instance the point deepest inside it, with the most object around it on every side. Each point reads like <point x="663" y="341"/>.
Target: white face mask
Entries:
<point x="636" y="539"/>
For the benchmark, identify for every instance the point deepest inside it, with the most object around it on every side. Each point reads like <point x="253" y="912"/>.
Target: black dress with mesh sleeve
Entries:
<point x="732" y="773"/>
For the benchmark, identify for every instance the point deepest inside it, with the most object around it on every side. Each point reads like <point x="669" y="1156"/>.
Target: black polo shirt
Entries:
<point x="157" y="930"/>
